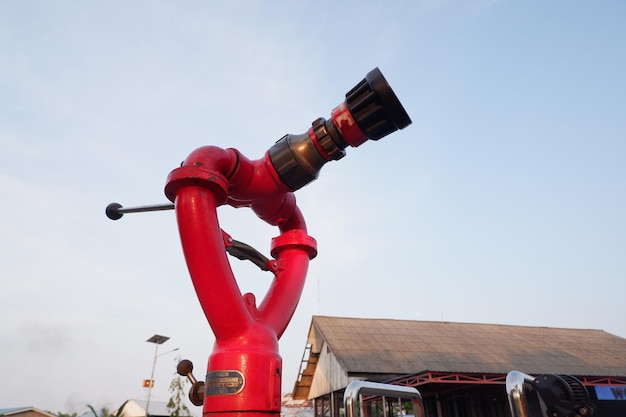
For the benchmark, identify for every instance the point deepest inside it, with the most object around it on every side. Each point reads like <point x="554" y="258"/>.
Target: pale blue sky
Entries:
<point x="503" y="202"/>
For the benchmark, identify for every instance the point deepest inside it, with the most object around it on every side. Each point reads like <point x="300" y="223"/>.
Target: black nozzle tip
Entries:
<point x="112" y="211"/>
<point x="375" y="107"/>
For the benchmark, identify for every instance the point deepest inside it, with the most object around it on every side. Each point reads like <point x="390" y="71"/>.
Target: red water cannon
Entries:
<point x="245" y="369"/>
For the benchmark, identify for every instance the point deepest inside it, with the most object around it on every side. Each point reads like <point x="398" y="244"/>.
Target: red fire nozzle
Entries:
<point x="244" y="370"/>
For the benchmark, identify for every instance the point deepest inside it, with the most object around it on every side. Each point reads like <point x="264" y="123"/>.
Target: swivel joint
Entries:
<point x="207" y="167"/>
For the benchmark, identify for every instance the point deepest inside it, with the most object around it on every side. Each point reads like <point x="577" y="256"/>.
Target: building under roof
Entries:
<point x="449" y="361"/>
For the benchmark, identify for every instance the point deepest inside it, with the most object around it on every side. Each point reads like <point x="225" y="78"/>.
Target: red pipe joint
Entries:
<point x="206" y="167"/>
<point x="245" y="369"/>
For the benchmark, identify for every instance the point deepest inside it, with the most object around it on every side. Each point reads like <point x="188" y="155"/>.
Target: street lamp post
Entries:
<point x="157" y="340"/>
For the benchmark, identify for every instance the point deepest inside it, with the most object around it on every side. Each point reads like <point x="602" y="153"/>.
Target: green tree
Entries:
<point x="176" y="405"/>
<point x="104" y="412"/>
<point x="60" y="414"/>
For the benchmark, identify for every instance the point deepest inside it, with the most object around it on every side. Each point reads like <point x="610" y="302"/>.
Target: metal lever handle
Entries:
<point x="245" y="252"/>
<point x="196" y="392"/>
<point x="115" y="211"/>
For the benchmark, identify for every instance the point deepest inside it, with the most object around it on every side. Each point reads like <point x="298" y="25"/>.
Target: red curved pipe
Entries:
<point x="207" y="263"/>
<point x="244" y="370"/>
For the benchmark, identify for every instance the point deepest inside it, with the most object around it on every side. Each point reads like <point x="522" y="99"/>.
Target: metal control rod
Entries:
<point x="115" y="211"/>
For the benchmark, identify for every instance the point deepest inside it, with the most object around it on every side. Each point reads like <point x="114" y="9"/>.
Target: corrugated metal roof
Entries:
<point x="6" y="411"/>
<point x="14" y="411"/>
<point x="389" y="346"/>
